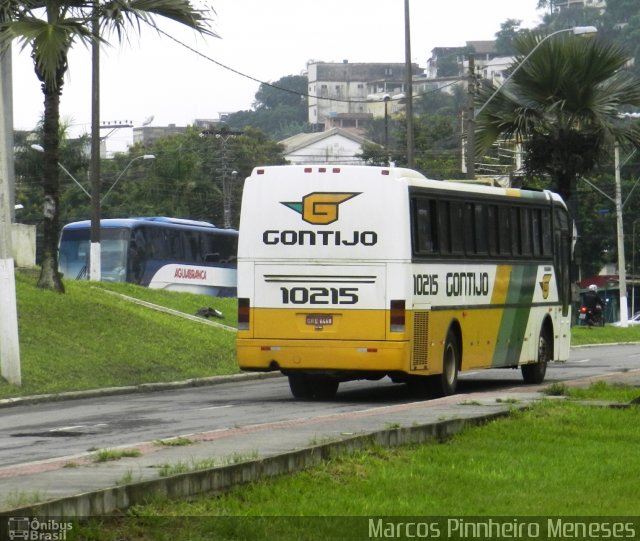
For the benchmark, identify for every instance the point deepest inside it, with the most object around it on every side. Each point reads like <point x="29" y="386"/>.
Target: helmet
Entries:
<point x="593" y="287"/>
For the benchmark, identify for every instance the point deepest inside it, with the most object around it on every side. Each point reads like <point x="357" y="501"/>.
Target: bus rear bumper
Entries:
<point x="329" y="355"/>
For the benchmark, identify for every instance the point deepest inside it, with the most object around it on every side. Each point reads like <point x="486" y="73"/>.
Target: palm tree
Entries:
<point x="50" y="28"/>
<point x="562" y="105"/>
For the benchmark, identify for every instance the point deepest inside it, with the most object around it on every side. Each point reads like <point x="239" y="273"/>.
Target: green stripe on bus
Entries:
<point x="514" y="320"/>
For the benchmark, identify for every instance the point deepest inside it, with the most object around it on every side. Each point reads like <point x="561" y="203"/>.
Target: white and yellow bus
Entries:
<point x="356" y="272"/>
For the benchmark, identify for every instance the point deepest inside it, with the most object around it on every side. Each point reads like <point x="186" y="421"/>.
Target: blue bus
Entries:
<point x="156" y="252"/>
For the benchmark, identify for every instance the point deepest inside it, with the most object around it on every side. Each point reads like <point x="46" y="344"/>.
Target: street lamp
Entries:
<point x="577" y="31"/>
<point x="39" y="148"/>
<point x="143" y="157"/>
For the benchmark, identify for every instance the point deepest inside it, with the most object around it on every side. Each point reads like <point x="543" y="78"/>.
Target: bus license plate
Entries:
<point x="319" y="320"/>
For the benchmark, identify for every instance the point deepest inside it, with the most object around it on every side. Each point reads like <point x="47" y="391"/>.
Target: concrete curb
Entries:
<point x="220" y="479"/>
<point x="143" y="387"/>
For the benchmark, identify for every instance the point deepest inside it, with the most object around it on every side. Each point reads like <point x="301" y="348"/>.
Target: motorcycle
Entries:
<point x="591" y="317"/>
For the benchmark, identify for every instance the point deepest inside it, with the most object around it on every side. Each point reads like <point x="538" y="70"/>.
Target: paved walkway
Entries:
<point x="78" y="486"/>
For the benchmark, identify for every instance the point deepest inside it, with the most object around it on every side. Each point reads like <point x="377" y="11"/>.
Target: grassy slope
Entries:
<point x="88" y="338"/>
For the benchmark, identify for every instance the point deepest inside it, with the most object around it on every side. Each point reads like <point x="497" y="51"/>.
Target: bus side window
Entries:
<point x="562" y="257"/>
<point x="136" y="256"/>
<point x="516" y="248"/>
<point x="493" y="228"/>
<point x="536" y="231"/>
<point x="174" y="245"/>
<point x="547" y="242"/>
<point x="481" y="228"/>
<point x="444" y="227"/>
<point x="189" y="241"/>
<point x="425" y="228"/>
<point x="469" y="229"/>
<point x="456" y="226"/>
<point x="525" y="231"/>
<point x="504" y="231"/>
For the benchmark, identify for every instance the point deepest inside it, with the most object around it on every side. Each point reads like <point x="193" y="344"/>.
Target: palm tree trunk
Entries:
<point x="49" y="276"/>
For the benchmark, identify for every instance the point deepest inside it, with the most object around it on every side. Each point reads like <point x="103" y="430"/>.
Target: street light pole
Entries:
<point x="143" y="157"/>
<point x="39" y="148"/>
<point x="409" y="84"/>
<point x="633" y="269"/>
<point x="622" y="270"/>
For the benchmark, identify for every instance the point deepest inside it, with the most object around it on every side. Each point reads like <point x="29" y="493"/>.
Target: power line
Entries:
<point x="302" y="94"/>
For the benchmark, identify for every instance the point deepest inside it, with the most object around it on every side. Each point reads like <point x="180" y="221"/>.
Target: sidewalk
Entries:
<point x="77" y="486"/>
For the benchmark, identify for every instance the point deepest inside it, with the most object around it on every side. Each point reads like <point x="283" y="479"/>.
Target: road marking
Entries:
<point x="77" y="427"/>
<point x="215" y="407"/>
<point x="580" y="361"/>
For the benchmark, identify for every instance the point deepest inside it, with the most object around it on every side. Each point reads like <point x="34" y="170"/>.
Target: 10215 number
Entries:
<point x="319" y="295"/>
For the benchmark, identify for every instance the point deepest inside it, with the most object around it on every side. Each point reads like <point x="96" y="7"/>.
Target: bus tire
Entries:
<point x="306" y="386"/>
<point x="300" y="386"/>
<point x="445" y="384"/>
<point x="533" y="373"/>
<point x="324" y="387"/>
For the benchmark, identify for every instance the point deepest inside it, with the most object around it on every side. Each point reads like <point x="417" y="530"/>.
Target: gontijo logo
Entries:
<point x="320" y="208"/>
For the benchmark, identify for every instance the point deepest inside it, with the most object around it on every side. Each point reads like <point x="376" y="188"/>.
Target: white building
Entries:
<point x="335" y="147"/>
<point x="341" y="93"/>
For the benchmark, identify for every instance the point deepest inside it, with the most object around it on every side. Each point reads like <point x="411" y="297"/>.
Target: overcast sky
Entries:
<point x="263" y="39"/>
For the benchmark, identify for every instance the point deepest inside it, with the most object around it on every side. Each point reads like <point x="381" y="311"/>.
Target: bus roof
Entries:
<point x="402" y="175"/>
<point x="154" y="221"/>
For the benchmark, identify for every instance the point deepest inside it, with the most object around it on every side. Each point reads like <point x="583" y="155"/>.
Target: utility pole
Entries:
<point x="471" y="123"/>
<point x="9" y="342"/>
<point x="409" y="85"/>
<point x="622" y="271"/>
<point x="94" y="251"/>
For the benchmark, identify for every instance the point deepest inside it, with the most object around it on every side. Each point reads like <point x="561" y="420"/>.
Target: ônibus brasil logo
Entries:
<point x="320" y="208"/>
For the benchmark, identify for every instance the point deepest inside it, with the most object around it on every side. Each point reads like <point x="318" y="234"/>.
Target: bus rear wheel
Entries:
<point x="534" y="373"/>
<point x="308" y="386"/>
<point x="445" y="384"/>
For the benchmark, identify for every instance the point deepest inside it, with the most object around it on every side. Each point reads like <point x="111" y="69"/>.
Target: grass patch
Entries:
<point x="108" y="455"/>
<point x="174" y="442"/>
<point x="167" y="470"/>
<point x="19" y="498"/>
<point x="88" y="338"/>
<point x="553" y="459"/>
<point x="602" y="390"/>
<point x="583" y="336"/>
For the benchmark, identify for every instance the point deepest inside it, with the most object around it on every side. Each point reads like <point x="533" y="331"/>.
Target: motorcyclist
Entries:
<point x="594" y="305"/>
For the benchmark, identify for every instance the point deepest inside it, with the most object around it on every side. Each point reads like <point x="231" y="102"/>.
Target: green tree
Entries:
<point x="622" y="23"/>
<point x="279" y="110"/>
<point x="504" y="38"/>
<point x="562" y="104"/>
<point x="50" y="29"/>
<point x="436" y="134"/>
<point x="185" y="179"/>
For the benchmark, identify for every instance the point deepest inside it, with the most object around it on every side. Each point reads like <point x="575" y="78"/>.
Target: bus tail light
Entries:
<point x="397" y="316"/>
<point x="243" y="314"/>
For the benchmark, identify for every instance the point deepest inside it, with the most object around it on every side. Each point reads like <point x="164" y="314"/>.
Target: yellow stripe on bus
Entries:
<point x="501" y="287"/>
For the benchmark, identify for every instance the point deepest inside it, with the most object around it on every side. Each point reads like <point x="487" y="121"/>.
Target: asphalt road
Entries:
<point x="65" y="428"/>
